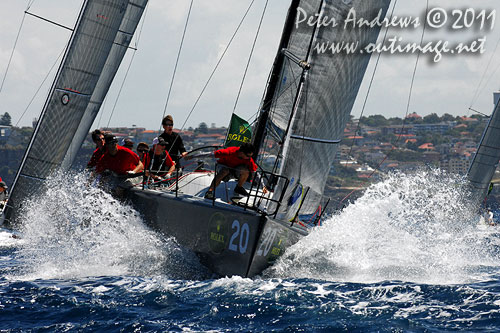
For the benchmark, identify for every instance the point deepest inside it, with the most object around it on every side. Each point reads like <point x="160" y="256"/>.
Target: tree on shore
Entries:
<point x="202" y="128"/>
<point x="6" y="119"/>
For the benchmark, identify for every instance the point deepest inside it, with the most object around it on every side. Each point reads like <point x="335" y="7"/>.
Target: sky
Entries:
<point x="452" y="85"/>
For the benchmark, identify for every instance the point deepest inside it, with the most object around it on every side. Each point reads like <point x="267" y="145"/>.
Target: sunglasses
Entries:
<point x="169" y="124"/>
<point x="142" y="150"/>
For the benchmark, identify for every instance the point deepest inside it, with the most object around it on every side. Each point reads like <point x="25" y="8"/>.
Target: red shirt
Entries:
<point x="96" y="156"/>
<point x="229" y="157"/>
<point x="124" y="160"/>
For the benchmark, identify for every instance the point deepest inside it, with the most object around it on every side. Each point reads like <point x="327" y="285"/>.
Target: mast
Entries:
<point x="274" y="78"/>
<point x="305" y="65"/>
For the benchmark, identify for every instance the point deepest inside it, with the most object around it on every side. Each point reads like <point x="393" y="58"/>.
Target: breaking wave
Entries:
<point x="75" y="230"/>
<point x="418" y="227"/>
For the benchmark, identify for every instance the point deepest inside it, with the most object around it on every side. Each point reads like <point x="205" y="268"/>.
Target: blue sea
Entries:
<point x="410" y="255"/>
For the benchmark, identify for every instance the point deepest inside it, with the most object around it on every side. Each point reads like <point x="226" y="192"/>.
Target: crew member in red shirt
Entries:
<point x="233" y="162"/>
<point x="98" y="138"/>
<point x="118" y="159"/>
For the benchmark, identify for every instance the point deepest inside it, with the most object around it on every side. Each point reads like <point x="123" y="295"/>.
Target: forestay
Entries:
<point x="305" y="137"/>
<point x="99" y="41"/>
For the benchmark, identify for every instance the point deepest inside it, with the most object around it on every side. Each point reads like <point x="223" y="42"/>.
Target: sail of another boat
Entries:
<point x="102" y="34"/>
<point x="485" y="162"/>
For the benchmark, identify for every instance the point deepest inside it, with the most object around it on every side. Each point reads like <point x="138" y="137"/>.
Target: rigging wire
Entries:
<point x="371" y="83"/>
<point x="211" y="75"/>
<point x="248" y="64"/>
<point x="177" y="62"/>
<point x="102" y="112"/>
<point x="121" y="87"/>
<point x="407" y="108"/>
<point x="41" y="84"/>
<point x="478" y="88"/>
<point x="274" y="100"/>
<point x="217" y="65"/>
<point x="30" y="3"/>
<point x="129" y="65"/>
<point x="12" y="53"/>
<point x="171" y="85"/>
<point x="250" y="56"/>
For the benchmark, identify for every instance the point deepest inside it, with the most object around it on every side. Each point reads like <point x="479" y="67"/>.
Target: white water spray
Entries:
<point x="77" y="230"/>
<point x="419" y="227"/>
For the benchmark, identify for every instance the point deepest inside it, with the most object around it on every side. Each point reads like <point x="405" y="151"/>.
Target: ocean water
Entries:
<point x="408" y="256"/>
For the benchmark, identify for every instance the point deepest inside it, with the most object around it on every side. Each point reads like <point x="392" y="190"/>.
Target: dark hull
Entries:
<point x="228" y="239"/>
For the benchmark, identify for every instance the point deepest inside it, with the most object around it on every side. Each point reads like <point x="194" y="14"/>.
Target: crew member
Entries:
<point x="142" y="149"/>
<point x="127" y="143"/>
<point x="158" y="161"/>
<point x="118" y="159"/>
<point x="3" y="193"/>
<point x="98" y="138"/>
<point x="174" y="144"/>
<point x="234" y="162"/>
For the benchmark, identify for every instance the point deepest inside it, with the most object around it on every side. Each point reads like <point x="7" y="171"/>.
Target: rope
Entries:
<point x="129" y="65"/>
<point x="407" y="110"/>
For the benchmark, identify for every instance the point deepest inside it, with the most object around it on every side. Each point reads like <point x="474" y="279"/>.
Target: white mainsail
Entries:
<point x="310" y="106"/>
<point x="99" y="41"/>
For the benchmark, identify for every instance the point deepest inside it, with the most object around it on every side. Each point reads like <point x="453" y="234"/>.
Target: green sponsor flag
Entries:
<point x="239" y="132"/>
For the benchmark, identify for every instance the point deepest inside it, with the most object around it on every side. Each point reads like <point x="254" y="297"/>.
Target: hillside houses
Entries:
<point x="415" y="143"/>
